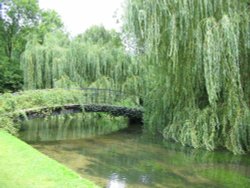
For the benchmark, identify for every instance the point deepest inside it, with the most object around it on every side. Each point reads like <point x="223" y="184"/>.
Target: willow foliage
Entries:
<point x="197" y="62"/>
<point x="44" y="63"/>
<point x="96" y="58"/>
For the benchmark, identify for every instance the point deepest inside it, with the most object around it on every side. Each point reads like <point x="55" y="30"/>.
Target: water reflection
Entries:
<point x="115" y="181"/>
<point x="145" y="179"/>
<point x="130" y="158"/>
<point x="69" y="127"/>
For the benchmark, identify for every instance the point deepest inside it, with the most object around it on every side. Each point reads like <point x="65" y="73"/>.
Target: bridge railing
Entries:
<point x="107" y="96"/>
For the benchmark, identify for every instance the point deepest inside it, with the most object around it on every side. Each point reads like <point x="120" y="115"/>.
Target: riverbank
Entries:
<point x="24" y="167"/>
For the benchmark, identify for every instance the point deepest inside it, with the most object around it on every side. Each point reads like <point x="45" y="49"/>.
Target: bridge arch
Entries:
<point x="95" y="100"/>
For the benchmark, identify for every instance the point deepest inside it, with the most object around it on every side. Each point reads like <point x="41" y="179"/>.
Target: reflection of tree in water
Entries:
<point x="201" y="156"/>
<point x="135" y="161"/>
<point x="131" y="158"/>
<point x="65" y="127"/>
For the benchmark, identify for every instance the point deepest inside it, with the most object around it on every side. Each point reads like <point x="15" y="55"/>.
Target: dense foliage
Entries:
<point x="18" y="20"/>
<point x="197" y="61"/>
<point x="96" y="58"/>
<point x="12" y="105"/>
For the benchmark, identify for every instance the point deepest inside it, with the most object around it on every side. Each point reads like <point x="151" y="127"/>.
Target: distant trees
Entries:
<point x="99" y="35"/>
<point x="20" y="17"/>
<point x="19" y="20"/>
<point x="96" y="58"/>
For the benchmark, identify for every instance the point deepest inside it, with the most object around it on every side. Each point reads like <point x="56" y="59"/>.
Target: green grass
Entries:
<point x="24" y="167"/>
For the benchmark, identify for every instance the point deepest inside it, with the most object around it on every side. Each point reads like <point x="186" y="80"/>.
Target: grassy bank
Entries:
<point x="24" y="167"/>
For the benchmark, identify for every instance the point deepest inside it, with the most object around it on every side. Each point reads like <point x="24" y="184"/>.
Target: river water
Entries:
<point x="106" y="151"/>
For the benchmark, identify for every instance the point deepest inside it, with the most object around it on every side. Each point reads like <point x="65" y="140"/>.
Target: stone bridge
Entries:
<point x="131" y="113"/>
<point x="96" y="100"/>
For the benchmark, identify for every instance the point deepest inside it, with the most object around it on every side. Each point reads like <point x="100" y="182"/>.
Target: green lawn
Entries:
<point x="21" y="166"/>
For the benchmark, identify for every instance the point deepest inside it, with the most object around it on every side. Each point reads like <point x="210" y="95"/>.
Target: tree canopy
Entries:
<point x="20" y="19"/>
<point x="197" y="62"/>
<point x="96" y="58"/>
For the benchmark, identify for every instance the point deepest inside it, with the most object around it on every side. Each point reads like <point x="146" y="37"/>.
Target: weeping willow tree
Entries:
<point x="100" y="59"/>
<point x="198" y="70"/>
<point x="43" y="64"/>
<point x="96" y="58"/>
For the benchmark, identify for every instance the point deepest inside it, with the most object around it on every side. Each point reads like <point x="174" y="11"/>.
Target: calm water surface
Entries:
<point x="104" y="151"/>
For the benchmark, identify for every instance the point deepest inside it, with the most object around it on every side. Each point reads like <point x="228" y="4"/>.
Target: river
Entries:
<point x="106" y="151"/>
